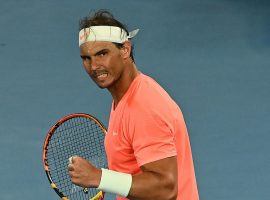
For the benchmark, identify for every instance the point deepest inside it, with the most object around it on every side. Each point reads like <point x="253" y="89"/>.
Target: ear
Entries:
<point x="126" y="50"/>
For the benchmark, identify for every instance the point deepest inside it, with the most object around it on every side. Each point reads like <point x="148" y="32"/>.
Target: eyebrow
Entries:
<point x="97" y="53"/>
<point x="101" y="51"/>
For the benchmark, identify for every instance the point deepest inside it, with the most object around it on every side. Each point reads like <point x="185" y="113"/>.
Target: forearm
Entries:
<point x="157" y="181"/>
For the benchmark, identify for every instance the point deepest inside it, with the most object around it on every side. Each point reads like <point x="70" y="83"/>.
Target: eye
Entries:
<point x="102" y="53"/>
<point x="85" y="58"/>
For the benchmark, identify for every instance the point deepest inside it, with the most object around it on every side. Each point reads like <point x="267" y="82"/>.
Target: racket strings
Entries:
<point x="77" y="136"/>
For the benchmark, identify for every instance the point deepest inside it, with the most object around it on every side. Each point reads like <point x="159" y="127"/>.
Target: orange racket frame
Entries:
<point x="99" y="195"/>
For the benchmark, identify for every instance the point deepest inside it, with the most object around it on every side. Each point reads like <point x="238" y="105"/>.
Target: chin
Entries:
<point x="103" y="85"/>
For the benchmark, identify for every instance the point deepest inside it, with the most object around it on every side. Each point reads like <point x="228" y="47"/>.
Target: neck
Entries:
<point x="121" y="86"/>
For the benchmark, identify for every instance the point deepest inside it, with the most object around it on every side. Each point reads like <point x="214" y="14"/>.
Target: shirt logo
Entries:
<point x="114" y="133"/>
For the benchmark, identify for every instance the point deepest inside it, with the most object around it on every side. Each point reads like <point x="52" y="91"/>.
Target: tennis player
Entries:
<point x="147" y="144"/>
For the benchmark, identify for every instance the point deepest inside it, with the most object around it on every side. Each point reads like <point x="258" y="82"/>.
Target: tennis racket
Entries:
<point x="75" y="134"/>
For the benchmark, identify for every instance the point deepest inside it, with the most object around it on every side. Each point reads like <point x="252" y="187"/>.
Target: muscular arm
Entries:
<point x="158" y="180"/>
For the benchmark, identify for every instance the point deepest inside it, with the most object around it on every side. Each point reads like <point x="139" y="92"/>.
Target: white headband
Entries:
<point x="105" y="33"/>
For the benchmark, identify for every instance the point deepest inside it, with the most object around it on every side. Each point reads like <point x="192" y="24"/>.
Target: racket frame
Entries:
<point x="99" y="195"/>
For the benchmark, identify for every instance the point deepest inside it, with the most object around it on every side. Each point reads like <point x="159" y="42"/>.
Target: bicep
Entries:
<point x="163" y="166"/>
<point x="158" y="180"/>
<point x="165" y="169"/>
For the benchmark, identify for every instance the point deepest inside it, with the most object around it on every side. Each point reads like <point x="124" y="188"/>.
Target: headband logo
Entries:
<point x="85" y="34"/>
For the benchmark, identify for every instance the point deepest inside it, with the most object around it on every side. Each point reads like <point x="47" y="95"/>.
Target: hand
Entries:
<point x="83" y="173"/>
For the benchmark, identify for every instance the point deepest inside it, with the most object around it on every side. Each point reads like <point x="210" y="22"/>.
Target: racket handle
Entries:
<point x="99" y="196"/>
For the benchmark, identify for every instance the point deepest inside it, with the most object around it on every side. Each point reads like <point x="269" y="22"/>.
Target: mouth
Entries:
<point x="101" y="75"/>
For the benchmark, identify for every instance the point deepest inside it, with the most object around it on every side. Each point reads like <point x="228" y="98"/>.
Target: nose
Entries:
<point x="90" y="64"/>
<point x="94" y="64"/>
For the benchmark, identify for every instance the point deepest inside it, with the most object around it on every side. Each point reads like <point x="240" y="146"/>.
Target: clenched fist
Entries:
<point x="83" y="173"/>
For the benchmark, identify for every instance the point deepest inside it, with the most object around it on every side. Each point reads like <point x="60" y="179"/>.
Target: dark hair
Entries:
<point x="101" y="18"/>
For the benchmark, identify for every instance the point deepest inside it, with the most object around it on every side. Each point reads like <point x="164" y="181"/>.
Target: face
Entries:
<point x="103" y="61"/>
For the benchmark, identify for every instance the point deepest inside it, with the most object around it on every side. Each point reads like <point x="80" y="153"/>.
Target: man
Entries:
<point x="147" y="145"/>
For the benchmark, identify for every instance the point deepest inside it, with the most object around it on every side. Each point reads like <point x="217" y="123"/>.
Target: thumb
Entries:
<point x="72" y="159"/>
